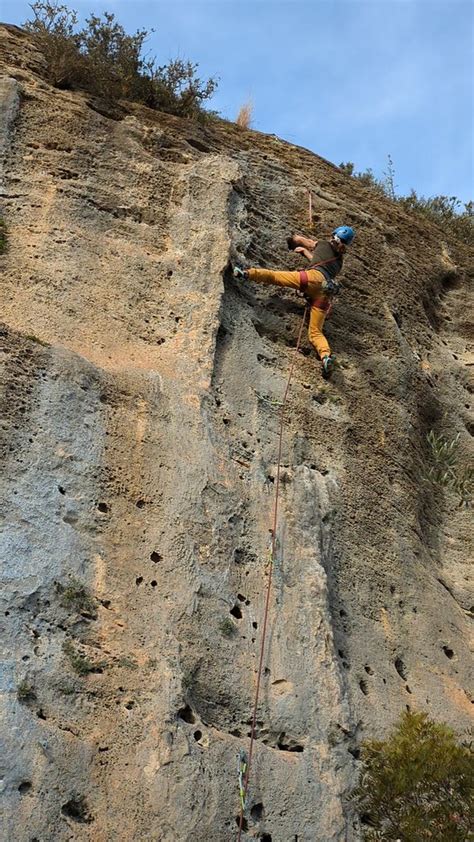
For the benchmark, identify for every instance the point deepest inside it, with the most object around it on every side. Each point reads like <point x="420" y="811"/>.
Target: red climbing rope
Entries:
<point x="270" y="571"/>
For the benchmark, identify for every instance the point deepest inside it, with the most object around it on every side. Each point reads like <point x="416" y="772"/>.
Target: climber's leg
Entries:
<point x="315" y="333"/>
<point x="281" y="279"/>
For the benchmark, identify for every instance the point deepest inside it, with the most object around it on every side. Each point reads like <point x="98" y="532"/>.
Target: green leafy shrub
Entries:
<point x="444" y="470"/>
<point x="455" y="217"/>
<point x="80" y="663"/>
<point x="76" y="597"/>
<point x="227" y="628"/>
<point x="417" y="785"/>
<point x="443" y="459"/>
<point x="449" y="212"/>
<point x="104" y="60"/>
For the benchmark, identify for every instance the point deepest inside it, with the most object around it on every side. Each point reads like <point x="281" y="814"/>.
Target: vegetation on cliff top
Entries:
<point x="449" y="212"/>
<point x="417" y="785"/>
<point x="103" y="59"/>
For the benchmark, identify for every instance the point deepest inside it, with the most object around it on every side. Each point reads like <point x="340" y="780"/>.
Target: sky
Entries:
<point x="352" y="80"/>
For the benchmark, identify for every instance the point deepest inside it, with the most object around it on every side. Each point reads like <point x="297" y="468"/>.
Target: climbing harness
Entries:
<point x="272" y="560"/>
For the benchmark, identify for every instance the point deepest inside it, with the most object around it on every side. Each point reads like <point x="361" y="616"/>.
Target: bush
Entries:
<point x="444" y="470"/>
<point x="76" y="597"/>
<point x="456" y="218"/>
<point x="104" y="60"/>
<point x="80" y="663"/>
<point x="417" y="785"/>
<point x="446" y="212"/>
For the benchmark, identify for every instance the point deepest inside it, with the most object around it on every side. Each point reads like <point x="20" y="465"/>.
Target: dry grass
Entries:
<point x="245" y="115"/>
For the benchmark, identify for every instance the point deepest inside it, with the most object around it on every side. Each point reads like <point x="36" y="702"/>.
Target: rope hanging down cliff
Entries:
<point x="244" y="788"/>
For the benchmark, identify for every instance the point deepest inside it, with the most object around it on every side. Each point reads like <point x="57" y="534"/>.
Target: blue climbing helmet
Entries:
<point x="345" y="234"/>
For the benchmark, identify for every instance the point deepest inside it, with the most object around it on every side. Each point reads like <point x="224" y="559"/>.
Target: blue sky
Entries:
<point x="352" y="80"/>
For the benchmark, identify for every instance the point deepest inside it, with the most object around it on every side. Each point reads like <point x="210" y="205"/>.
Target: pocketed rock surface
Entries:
<point x="140" y="424"/>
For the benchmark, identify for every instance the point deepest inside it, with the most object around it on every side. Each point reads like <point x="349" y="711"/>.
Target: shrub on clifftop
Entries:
<point x="417" y="785"/>
<point x="104" y="60"/>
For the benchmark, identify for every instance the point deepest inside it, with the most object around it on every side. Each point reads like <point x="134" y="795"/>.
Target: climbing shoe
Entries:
<point x="239" y="273"/>
<point x="328" y="366"/>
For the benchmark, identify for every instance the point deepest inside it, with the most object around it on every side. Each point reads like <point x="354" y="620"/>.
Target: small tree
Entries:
<point x="417" y="785"/>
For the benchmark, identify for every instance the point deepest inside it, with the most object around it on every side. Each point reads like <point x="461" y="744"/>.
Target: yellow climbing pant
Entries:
<point x="314" y="293"/>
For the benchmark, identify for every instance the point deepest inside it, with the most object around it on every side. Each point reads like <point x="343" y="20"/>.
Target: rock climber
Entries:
<point x="317" y="282"/>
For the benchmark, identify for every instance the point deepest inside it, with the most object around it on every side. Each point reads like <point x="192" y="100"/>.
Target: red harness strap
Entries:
<point x="303" y="280"/>
<point x="322" y="303"/>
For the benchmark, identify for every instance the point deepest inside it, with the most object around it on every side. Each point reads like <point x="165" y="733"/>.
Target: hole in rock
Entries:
<point x="236" y="733"/>
<point x="61" y="489"/>
<point x="41" y="714"/>
<point x="392" y="588"/>
<point x="363" y="687"/>
<point x="242" y="598"/>
<point x="140" y="504"/>
<point x="197" y="735"/>
<point x="187" y="715"/>
<point x="130" y="705"/>
<point x="236" y="612"/>
<point x="265" y="837"/>
<point x="400" y="668"/>
<point x="139" y="580"/>
<point x="257" y="812"/>
<point x="102" y="507"/>
<point x="103" y="748"/>
<point x="77" y="810"/>
<point x="368" y="670"/>
<point x="255" y="625"/>
<point x="448" y="652"/>
<point x="226" y="421"/>
<point x="25" y="786"/>
<point x="287" y="747"/>
<point x="407" y="689"/>
<point x="153" y="583"/>
<point x="355" y="752"/>
<point x="342" y="613"/>
<point x="156" y="557"/>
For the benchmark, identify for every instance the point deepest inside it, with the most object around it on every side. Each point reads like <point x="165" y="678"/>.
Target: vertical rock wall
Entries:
<point x="140" y="444"/>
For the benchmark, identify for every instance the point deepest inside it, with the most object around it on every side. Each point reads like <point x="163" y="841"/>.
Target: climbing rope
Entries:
<point x="246" y="775"/>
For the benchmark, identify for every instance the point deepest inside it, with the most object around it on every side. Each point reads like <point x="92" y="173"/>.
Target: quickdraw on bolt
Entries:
<point x="242" y="769"/>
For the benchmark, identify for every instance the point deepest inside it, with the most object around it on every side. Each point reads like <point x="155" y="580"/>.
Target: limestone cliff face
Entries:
<point x="139" y="450"/>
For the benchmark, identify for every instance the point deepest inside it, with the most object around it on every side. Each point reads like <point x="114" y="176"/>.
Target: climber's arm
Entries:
<point x="308" y="254"/>
<point x="305" y="242"/>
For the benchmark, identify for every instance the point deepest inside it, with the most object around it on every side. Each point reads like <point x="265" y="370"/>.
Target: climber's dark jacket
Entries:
<point x="324" y="251"/>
